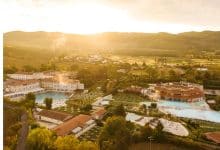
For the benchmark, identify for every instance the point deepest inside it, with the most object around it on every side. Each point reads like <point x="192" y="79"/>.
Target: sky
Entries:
<point x="95" y="16"/>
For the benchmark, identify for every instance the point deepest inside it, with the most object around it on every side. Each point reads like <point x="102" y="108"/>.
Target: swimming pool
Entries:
<point x="196" y="110"/>
<point x="58" y="98"/>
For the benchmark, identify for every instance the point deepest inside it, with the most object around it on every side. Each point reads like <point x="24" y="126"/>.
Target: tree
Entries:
<point x="8" y="70"/>
<point x="43" y="67"/>
<point x="74" y="67"/>
<point x="40" y="139"/>
<point x="115" y="134"/>
<point x="28" y="68"/>
<point x="146" y="132"/>
<point x="173" y="75"/>
<point x="30" y="96"/>
<point x="158" y="132"/>
<point x="30" y="100"/>
<point x="143" y="108"/>
<point x="119" y="111"/>
<point x="153" y="105"/>
<point x="48" y="102"/>
<point x="68" y="142"/>
<point x="87" y="145"/>
<point x="86" y="108"/>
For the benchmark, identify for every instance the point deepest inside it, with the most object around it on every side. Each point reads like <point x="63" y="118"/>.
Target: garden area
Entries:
<point x="128" y="97"/>
<point x="129" y="100"/>
<point x="80" y="103"/>
<point x="91" y="135"/>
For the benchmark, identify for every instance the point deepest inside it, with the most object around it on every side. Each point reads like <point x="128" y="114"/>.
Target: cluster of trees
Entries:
<point x="118" y="133"/>
<point x="44" y="139"/>
<point x="115" y="134"/>
<point x="86" y="108"/>
<point x="12" y="116"/>
<point x="11" y="125"/>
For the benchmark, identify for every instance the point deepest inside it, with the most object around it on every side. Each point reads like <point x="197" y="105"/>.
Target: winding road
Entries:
<point x="23" y="132"/>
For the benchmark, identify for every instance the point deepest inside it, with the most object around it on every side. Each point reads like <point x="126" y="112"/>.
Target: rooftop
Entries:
<point x="60" y="80"/>
<point x="12" y="82"/>
<point x="66" y="127"/>
<point x="55" y="115"/>
<point x="99" y="112"/>
<point x="179" y="90"/>
<point x="213" y="136"/>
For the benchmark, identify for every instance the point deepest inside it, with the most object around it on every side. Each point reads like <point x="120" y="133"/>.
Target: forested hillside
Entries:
<point x="35" y="48"/>
<point x="207" y="40"/>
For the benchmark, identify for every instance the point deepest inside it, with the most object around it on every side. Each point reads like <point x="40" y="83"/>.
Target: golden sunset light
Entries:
<point x="110" y="74"/>
<point x="86" y="17"/>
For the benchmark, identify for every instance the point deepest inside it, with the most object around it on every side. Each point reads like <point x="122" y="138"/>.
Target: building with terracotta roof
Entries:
<point x="134" y="89"/>
<point x="213" y="136"/>
<point x="52" y="116"/>
<point x="180" y="92"/>
<point x="77" y="126"/>
<point x="99" y="113"/>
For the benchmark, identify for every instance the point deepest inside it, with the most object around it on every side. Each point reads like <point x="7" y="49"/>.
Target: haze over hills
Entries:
<point x="206" y="40"/>
<point x="20" y="47"/>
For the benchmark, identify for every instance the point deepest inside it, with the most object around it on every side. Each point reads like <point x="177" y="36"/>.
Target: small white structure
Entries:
<point x="202" y="69"/>
<point x="138" y="119"/>
<point x="175" y="128"/>
<point x="102" y="101"/>
<point x="172" y="127"/>
<point x="211" y="101"/>
<point x="121" y="71"/>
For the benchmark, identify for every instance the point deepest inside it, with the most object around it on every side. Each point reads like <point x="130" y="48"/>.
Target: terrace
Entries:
<point x="172" y="127"/>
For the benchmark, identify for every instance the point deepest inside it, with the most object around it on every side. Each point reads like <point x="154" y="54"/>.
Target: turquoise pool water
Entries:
<point x="197" y="110"/>
<point x="58" y="98"/>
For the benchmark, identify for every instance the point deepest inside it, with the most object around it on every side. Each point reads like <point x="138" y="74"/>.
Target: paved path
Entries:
<point x="23" y="132"/>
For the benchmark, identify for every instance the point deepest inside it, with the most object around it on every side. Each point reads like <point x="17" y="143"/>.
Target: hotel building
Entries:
<point x="21" y="84"/>
<point x="185" y="92"/>
<point x="29" y="76"/>
<point x="15" y="88"/>
<point x="61" y="86"/>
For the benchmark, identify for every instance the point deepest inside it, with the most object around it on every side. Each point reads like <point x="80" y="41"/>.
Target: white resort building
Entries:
<point x="16" y="88"/>
<point x="21" y="84"/>
<point x="29" y="76"/>
<point x="62" y="86"/>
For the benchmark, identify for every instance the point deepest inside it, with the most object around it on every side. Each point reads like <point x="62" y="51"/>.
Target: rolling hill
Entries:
<point x="38" y="47"/>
